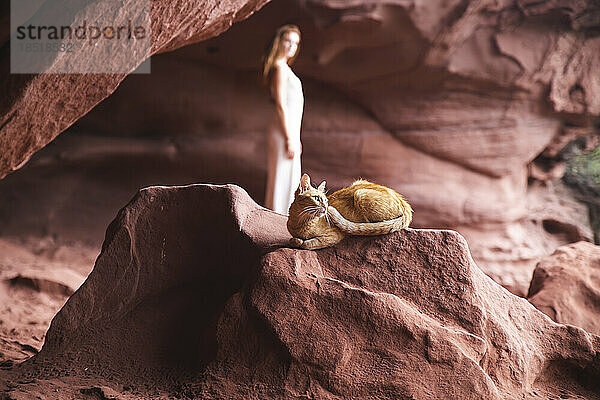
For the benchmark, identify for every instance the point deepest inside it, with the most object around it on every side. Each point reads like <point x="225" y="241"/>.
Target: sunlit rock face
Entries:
<point x="446" y="102"/>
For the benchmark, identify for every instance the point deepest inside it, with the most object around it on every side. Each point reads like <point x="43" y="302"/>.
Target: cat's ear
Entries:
<point x="321" y="187"/>
<point x="304" y="183"/>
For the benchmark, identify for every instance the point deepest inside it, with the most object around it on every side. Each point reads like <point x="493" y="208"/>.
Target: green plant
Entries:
<point x="582" y="172"/>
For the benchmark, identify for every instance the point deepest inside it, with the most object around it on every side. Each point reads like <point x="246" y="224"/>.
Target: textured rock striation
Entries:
<point x="566" y="286"/>
<point x="446" y="102"/>
<point x="191" y="297"/>
<point x="35" y="108"/>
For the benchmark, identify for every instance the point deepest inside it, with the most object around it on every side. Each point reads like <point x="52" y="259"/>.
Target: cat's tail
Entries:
<point x="368" y="228"/>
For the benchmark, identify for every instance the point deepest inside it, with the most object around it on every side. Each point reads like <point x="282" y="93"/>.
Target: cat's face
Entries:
<point x="312" y="201"/>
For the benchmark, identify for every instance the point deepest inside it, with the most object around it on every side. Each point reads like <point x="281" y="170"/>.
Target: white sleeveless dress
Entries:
<point x="283" y="174"/>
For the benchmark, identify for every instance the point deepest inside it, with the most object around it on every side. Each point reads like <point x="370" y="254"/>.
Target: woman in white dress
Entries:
<point x="283" y="138"/>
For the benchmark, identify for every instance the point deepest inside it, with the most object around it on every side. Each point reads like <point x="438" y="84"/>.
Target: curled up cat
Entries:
<point x="316" y="221"/>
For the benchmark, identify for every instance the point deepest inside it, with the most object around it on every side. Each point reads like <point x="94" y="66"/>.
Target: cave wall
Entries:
<point x="446" y="102"/>
<point x="35" y="108"/>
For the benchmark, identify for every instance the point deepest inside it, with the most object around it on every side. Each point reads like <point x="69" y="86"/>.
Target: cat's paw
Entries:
<point x="296" y="242"/>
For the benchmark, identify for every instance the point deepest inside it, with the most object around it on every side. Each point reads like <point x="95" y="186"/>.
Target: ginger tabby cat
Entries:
<point x="316" y="221"/>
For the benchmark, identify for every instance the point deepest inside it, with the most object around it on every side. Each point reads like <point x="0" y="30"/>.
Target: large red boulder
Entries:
<point x="191" y="297"/>
<point x="566" y="286"/>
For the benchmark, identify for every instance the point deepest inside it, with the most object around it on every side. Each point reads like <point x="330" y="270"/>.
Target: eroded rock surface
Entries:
<point x="566" y="286"/>
<point x="190" y="297"/>
<point x="446" y="102"/>
<point x="35" y="108"/>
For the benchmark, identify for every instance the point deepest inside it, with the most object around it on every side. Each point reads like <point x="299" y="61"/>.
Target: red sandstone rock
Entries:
<point x="447" y="102"/>
<point x="189" y="298"/>
<point x="451" y="120"/>
<point x="566" y="286"/>
<point x="34" y="109"/>
<point x="56" y="282"/>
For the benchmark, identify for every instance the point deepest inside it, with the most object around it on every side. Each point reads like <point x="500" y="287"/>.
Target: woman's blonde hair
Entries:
<point x="273" y="50"/>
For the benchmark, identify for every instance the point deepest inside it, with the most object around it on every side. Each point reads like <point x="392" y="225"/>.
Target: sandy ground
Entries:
<point x="36" y="278"/>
